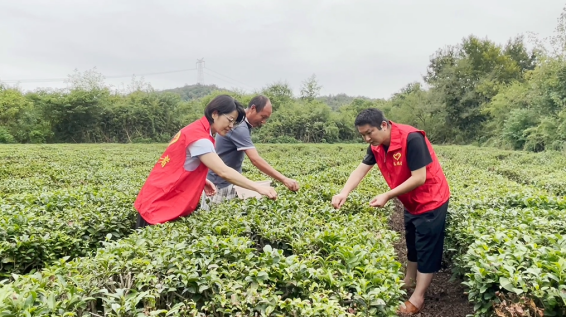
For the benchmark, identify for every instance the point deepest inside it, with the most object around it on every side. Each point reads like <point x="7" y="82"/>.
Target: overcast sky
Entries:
<point x="371" y="48"/>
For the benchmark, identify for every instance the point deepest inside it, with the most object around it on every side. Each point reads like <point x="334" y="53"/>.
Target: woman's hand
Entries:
<point x="210" y="188"/>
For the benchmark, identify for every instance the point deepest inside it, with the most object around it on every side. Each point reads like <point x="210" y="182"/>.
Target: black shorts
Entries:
<point x="425" y="234"/>
<point x="140" y="222"/>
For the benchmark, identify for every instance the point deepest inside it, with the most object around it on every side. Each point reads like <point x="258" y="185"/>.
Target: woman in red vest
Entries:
<point x="175" y="184"/>
<point x="410" y="167"/>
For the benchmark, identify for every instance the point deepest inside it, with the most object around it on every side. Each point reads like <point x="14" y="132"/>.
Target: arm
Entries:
<point x="262" y="165"/>
<point x="417" y="178"/>
<point x="242" y="139"/>
<point x="353" y="180"/>
<point x="210" y="188"/>
<point x="215" y="163"/>
<point x="265" y="167"/>
<point x="417" y="159"/>
<point x="355" y="177"/>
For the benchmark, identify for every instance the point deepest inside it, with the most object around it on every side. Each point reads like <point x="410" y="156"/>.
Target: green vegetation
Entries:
<point x="510" y="96"/>
<point x="296" y="256"/>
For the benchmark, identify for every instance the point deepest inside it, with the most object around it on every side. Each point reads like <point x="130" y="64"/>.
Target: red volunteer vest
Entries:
<point x="393" y="166"/>
<point x="170" y="191"/>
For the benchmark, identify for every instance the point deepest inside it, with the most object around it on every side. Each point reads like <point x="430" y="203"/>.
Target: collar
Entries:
<point x="395" y="137"/>
<point x="206" y="125"/>
<point x="247" y="122"/>
<point x="395" y="142"/>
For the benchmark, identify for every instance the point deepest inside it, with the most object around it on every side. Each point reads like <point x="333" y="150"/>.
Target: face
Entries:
<point x="224" y="123"/>
<point x="373" y="135"/>
<point x="259" y="119"/>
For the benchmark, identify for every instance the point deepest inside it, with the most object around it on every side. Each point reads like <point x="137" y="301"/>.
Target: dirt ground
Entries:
<point x="443" y="298"/>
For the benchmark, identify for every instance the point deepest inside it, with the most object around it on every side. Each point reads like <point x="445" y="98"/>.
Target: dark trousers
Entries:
<point x="425" y="235"/>
<point x="140" y="222"/>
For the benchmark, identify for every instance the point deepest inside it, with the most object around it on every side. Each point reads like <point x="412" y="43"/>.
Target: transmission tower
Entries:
<point x="200" y="74"/>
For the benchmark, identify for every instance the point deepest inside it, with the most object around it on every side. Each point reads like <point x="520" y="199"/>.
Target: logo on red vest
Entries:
<point x="164" y="160"/>
<point x="175" y="138"/>
<point x="397" y="157"/>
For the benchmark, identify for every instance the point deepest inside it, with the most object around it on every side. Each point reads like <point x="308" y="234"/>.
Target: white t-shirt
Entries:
<point x="194" y="151"/>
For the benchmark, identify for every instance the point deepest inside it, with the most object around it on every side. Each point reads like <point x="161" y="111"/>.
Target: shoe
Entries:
<point x="409" y="309"/>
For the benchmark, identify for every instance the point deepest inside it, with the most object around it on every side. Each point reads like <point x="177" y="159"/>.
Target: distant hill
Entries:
<point x="195" y="91"/>
<point x="336" y="101"/>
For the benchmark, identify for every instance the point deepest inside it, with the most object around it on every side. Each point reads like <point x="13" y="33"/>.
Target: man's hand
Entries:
<point x="210" y="188"/>
<point x="380" y="200"/>
<point x="268" y="191"/>
<point x="291" y="184"/>
<point x="338" y="200"/>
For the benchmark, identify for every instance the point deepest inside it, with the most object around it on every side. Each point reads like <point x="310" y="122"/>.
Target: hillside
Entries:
<point x="195" y="91"/>
<point x="336" y="101"/>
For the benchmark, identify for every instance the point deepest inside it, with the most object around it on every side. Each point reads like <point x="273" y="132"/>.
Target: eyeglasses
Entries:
<point x="230" y="120"/>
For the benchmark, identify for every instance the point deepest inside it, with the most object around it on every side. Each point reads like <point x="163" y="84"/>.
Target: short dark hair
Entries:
<point x="225" y="104"/>
<point x="371" y="116"/>
<point x="259" y="101"/>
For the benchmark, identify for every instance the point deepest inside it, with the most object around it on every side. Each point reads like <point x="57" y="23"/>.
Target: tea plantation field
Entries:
<point x="67" y="247"/>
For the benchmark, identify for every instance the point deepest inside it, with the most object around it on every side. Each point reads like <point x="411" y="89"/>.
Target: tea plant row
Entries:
<point x="294" y="256"/>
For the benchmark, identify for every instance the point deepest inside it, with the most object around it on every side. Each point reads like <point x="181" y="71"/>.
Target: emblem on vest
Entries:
<point x="397" y="156"/>
<point x="163" y="161"/>
<point x="175" y="138"/>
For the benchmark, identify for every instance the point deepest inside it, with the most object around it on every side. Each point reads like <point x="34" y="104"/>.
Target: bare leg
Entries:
<point x="411" y="275"/>
<point x="418" y="296"/>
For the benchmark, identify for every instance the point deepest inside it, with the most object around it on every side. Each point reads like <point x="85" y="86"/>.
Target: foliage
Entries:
<point x="294" y="256"/>
<point x="479" y="92"/>
<point x="339" y="100"/>
<point x="310" y="88"/>
<point x="280" y="94"/>
<point x="60" y="202"/>
<point x="530" y="115"/>
<point x="506" y="228"/>
<point x="192" y="92"/>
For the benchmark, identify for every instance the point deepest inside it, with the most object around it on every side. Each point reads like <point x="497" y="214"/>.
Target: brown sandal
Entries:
<point x="409" y="309"/>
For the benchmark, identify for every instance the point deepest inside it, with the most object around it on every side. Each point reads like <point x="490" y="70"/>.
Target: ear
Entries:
<point x="215" y="115"/>
<point x="253" y="107"/>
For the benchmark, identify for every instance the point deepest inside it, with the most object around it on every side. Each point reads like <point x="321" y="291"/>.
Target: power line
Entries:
<point x="200" y="76"/>
<point x="157" y="73"/>
<point x="239" y="85"/>
<point x="237" y="81"/>
<point x="47" y="80"/>
<point x="224" y="80"/>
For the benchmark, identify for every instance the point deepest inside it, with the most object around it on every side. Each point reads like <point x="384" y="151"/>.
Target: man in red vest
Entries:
<point x="410" y="167"/>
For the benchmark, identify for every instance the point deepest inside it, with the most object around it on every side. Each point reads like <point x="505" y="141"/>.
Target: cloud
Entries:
<point x="371" y="48"/>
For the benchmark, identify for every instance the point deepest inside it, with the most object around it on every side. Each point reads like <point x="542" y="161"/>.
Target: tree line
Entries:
<point x="475" y="92"/>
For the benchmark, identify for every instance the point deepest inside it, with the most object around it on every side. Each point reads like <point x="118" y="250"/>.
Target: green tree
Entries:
<point x="469" y="75"/>
<point x="310" y="88"/>
<point x="279" y="93"/>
